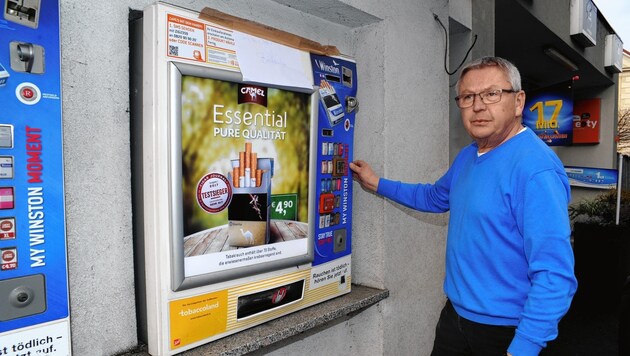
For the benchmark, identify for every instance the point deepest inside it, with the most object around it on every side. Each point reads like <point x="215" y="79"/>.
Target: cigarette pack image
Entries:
<point x="249" y="209"/>
<point x="328" y="97"/>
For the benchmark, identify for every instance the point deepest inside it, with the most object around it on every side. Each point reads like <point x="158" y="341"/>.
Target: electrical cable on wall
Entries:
<point x="446" y="49"/>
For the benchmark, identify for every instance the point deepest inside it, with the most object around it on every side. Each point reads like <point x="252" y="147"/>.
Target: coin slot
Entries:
<point x="25" y="53"/>
<point x="351" y="104"/>
<point x="27" y="57"/>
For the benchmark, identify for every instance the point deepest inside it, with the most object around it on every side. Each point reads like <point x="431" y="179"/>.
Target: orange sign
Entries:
<point x="197" y="318"/>
<point x="586" y="124"/>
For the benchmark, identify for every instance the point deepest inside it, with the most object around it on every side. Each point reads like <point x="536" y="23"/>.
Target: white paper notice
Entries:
<point x="44" y="339"/>
<point x="267" y="62"/>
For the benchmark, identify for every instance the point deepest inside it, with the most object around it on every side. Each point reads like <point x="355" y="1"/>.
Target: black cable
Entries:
<point x="446" y="49"/>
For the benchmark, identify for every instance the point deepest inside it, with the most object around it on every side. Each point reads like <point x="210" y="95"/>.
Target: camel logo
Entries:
<point x="279" y="295"/>
<point x="255" y="94"/>
<point x="249" y="237"/>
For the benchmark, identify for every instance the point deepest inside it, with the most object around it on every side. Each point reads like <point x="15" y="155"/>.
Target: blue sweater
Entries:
<point x="508" y="255"/>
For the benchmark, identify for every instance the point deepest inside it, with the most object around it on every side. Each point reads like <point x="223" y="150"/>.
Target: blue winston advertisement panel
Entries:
<point x="337" y="82"/>
<point x="33" y="273"/>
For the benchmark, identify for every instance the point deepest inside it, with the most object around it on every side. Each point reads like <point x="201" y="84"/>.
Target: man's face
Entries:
<point x="491" y="124"/>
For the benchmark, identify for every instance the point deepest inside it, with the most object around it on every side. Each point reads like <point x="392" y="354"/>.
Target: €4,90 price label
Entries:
<point x="284" y="206"/>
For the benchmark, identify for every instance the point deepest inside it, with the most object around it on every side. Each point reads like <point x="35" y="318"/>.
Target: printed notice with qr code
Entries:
<point x="186" y="38"/>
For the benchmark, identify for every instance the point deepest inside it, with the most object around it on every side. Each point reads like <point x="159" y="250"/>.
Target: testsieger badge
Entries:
<point x="214" y="193"/>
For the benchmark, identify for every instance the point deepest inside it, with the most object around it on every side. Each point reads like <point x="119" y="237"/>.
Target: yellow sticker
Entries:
<point x="197" y="318"/>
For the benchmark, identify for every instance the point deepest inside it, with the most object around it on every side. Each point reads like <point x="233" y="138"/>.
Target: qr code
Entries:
<point x="173" y="51"/>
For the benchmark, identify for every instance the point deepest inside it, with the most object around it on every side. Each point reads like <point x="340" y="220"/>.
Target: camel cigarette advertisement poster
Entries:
<point x="245" y="174"/>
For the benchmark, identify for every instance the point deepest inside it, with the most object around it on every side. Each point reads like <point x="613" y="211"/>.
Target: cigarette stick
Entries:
<point x="235" y="177"/>
<point x="262" y="174"/>
<point x="248" y="162"/>
<point x="248" y="153"/>
<point x="241" y="164"/>
<point x="259" y="177"/>
<point x="254" y="161"/>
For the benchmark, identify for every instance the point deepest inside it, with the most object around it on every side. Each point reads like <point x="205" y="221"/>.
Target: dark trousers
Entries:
<point x="455" y="335"/>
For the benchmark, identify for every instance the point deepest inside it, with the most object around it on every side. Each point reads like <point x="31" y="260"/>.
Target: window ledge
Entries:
<point x="285" y="327"/>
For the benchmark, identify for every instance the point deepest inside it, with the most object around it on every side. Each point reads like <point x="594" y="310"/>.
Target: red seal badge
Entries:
<point x="6" y="225"/>
<point x="8" y="259"/>
<point x="7" y="228"/>
<point x="214" y="193"/>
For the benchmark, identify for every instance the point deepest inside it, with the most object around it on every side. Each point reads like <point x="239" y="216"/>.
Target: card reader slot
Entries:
<point x="333" y="78"/>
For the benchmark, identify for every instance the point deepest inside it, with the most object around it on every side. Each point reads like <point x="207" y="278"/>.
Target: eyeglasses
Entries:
<point x="487" y="97"/>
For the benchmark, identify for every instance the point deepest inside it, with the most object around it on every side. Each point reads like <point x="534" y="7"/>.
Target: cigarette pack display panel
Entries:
<point x="6" y="136"/>
<point x="335" y="181"/>
<point x="339" y="167"/>
<point x="326" y="203"/>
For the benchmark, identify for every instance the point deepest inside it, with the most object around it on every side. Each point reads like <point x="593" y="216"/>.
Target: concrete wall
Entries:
<point x="480" y="22"/>
<point x="402" y="128"/>
<point x="460" y="41"/>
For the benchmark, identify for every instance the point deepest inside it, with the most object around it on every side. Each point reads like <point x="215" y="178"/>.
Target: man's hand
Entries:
<point x="363" y="173"/>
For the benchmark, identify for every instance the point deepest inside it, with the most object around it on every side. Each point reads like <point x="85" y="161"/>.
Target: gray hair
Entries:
<point x="510" y="70"/>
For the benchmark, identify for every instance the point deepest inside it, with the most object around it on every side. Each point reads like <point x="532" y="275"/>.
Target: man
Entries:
<point x="509" y="263"/>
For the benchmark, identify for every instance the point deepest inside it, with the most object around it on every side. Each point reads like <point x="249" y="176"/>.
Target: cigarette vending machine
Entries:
<point x="34" y="312"/>
<point x="242" y="188"/>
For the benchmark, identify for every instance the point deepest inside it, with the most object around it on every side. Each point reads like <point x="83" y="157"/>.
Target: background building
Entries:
<point x="624" y="98"/>
<point x="624" y="82"/>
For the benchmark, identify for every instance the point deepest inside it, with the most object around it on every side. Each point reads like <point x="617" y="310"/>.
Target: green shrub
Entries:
<point x="602" y="209"/>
